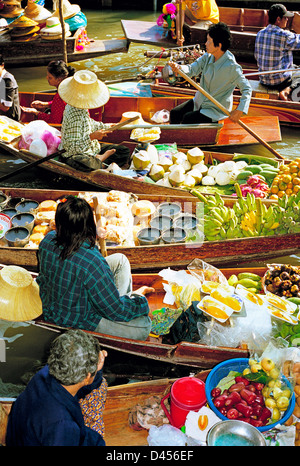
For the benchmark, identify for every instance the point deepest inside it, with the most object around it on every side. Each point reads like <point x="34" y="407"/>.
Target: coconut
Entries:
<point x="152" y="152"/>
<point x="164" y="181"/>
<point x="195" y="155"/>
<point x="185" y="164"/>
<point x="189" y="180"/>
<point x="179" y="157"/>
<point x="141" y="160"/>
<point x="196" y="174"/>
<point x="165" y="162"/>
<point x="201" y="167"/>
<point x="156" y="172"/>
<point x="177" y="176"/>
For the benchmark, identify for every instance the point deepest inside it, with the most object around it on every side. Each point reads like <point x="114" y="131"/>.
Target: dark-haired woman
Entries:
<point x="79" y="288"/>
<point x="220" y="75"/>
<point x="52" y="111"/>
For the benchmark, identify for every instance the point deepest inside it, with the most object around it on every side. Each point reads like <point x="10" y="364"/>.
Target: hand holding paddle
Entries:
<point x="177" y="69"/>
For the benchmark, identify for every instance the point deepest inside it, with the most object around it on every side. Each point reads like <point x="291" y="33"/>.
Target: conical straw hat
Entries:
<point x="19" y="295"/>
<point x="68" y="10"/>
<point x="23" y="22"/>
<point x="84" y="90"/>
<point x="36" y="12"/>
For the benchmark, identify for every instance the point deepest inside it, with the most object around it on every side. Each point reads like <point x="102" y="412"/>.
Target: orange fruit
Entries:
<point x="286" y="178"/>
<point x="288" y="192"/>
<point x="282" y="186"/>
<point x="296" y="188"/>
<point x="280" y="194"/>
<point x="296" y="180"/>
<point x="274" y="189"/>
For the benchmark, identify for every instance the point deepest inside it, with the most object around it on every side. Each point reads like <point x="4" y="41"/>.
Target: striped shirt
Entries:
<point x="78" y="291"/>
<point x="274" y="51"/>
<point x="76" y="128"/>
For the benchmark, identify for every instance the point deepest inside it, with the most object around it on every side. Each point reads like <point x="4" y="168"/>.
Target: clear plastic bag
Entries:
<point x="162" y="116"/>
<point x="40" y="130"/>
<point x="166" y="435"/>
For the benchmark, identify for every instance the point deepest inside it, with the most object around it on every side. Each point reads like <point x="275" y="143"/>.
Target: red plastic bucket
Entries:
<point x="187" y="394"/>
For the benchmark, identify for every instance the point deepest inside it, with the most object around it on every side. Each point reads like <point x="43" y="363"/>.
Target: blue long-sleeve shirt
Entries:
<point x="219" y="78"/>
<point x="46" y="414"/>
<point x="78" y="291"/>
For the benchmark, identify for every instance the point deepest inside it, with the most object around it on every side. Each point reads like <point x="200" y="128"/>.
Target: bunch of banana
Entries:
<point x="220" y="221"/>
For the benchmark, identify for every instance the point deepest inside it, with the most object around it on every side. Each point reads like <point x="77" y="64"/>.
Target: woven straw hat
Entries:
<point x="19" y="295"/>
<point x="84" y="90"/>
<point x="11" y="10"/>
<point x="53" y="27"/>
<point x="23" y="22"/>
<point x="36" y="12"/>
<point x="68" y="10"/>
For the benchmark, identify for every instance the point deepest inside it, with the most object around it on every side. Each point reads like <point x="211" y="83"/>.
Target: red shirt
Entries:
<point x="57" y="107"/>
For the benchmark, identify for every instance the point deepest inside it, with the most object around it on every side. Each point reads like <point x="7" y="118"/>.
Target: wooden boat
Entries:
<point x="233" y="252"/>
<point x="214" y="134"/>
<point x="121" y="399"/>
<point x="191" y="354"/>
<point x="39" y="52"/>
<point x="244" y="24"/>
<point x="264" y="103"/>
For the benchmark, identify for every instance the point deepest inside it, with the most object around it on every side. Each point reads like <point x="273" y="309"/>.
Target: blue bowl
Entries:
<point x="239" y="364"/>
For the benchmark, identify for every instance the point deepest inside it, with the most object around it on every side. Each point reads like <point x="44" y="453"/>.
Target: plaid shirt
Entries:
<point x="78" y="291"/>
<point x="76" y="128"/>
<point x="273" y="51"/>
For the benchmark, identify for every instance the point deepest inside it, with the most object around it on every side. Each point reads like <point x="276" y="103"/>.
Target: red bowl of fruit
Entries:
<point x="249" y="400"/>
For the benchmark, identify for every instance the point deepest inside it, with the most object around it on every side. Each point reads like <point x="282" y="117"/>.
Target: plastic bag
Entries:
<point x="40" y="130"/>
<point x="166" y="435"/>
<point x="206" y="272"/>
<point x="162" y="116"/>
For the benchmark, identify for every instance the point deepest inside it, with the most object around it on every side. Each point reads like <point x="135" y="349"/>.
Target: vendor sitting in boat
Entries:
<point x="80" y="134"/>
<point x="79" y="288"/>
<point x="220" y="75"/>
<point x="273" y="51"/>
<point x="51" y="411"/>
<point x="52" y="111"/>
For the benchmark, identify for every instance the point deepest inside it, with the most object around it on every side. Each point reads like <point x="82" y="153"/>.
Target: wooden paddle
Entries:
<point x="99" y="224"/>
<point x="221" y="107"/>
<point x="52" y="156"/>
<point x="30" y="165"/>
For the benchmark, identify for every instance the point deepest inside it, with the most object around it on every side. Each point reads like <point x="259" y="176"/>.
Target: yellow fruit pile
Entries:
<point x="287" y="181"/>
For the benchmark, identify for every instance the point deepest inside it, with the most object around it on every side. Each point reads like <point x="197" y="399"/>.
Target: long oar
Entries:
<point x="52" y="156"/>
<point x="30" y="165"/>
<point x="99" y="224"/>
<point x="221" y="107"/>
<point x="261" y="73"/>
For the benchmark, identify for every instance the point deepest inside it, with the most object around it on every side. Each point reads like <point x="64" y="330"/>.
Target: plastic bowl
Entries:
<point x="239" y="364"/>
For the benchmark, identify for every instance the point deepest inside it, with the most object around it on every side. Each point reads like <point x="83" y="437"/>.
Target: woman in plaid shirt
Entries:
<point x="274" y="47"/>
<point x="79" y="288"/>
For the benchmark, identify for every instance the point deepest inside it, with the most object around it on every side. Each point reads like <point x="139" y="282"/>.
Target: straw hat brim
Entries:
<point x="19" y="295"/>
<point x="83" y="95"/>
<point x="13" y="14"/>
<point x="54" y="36"/>
<point x="24" y="31"/>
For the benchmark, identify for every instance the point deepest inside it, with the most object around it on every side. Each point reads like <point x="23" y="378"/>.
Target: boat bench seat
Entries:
<point x="259" y="90"/>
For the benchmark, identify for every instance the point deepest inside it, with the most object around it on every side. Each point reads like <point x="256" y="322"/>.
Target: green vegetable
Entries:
<point x="248" y="283"/>
<point x="252" y="276"/>
<point x="259" y="376"/>
<point x="255" y="159"/>
<point x="233" y="280"/>
<point x="244" y="175"/>
<point x="255" y="169"/>
<point x="294" y="300"/>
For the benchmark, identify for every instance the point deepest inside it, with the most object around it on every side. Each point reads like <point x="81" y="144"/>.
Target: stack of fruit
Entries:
<point x="258" y="396"/>
<point x="287" y="181"/>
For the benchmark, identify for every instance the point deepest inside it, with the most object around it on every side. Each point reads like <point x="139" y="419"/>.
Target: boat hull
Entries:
<point x="39" y="52"/>
<point x="233" y="252"/>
